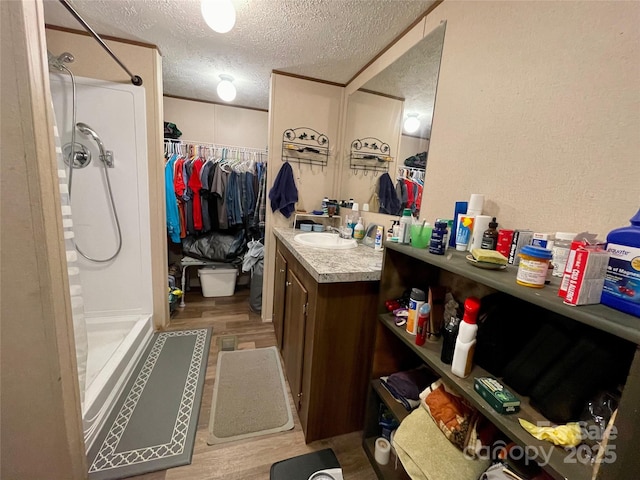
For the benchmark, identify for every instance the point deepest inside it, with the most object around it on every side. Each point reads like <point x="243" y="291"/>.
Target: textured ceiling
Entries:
<point x="325" y="39"/>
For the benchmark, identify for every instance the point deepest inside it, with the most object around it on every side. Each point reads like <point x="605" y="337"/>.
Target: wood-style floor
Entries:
<point x="248" y="459"/>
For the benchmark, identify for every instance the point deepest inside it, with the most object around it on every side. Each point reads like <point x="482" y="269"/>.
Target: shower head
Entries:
<point x="87" y="130"/>
<point x="59" y="61"/>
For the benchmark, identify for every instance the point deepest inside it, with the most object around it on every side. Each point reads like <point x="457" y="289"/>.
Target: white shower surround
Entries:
<point x="118" y="302"/>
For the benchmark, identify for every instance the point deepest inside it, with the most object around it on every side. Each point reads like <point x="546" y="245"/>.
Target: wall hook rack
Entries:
<point x="370" y="154"/>
<point x="304" y="145"/>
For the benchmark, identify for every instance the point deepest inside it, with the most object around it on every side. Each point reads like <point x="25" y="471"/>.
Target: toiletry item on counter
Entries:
<point x="466" y="342"/>
<point x="436" y="299"/>
<point x="358" y="230"/>
<point x="460" y="209"/>
<point x="480" y="225"/>
<point x="520" y="239"/>
<point x="325" y="203"/>
<point x="348" y="225"/>
<point x="533" y="267"/>
<point x="423" y="323"/>
<point x="490" y="236"/>
<point x="622" y="282"/>
<point x="355" y="207"/>
<point x="378" y="242"/>
<point x="405" y="226"/>
<point x="438" y="241"/>
<point x="449" y="230"/>
<point x="464" y="231"/>
<point x="584" y="239"/>
<point x="415" y="302"/>
<point x="476" y="204"/>
<point x="560" y="250"/>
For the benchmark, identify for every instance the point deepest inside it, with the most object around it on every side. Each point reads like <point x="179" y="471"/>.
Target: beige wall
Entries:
<point x="93" y="62"/>
<point x="41" y="422"/>
<point x="300" y="103"/>
<point x="410" y="146"/>
<point x="213" y="123"/>
<point x="538" y="107"/>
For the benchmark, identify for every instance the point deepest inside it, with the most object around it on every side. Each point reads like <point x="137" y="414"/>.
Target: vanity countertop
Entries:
<point x="361" y="264"/>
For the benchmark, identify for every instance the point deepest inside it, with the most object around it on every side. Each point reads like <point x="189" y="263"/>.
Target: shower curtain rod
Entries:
<point x="135" y="79"/>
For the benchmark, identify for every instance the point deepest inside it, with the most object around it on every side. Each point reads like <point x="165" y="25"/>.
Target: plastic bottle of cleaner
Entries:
<point x="466" y="341"/>
<point x="378" y="242"/>
<point x="325" y="202"/>
<point x="405" y="226"/>
<point x="358" y="231"/>
<point x="622" y="282"/>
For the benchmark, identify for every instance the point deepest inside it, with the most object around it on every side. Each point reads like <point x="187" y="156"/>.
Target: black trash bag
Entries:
<point x="216" y="247"/>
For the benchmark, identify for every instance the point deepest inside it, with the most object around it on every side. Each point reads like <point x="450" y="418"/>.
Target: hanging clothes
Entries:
<point x="206" y="176"/>
<point x="219" y="188"/>
<point x="389" y="202"/>
<point x="173" y="215"/>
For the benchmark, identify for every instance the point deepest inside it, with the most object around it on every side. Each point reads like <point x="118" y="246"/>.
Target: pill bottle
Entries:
<point x="561" y="249"/>
<point x="438" y="242"/>
<point x="533" y="266"/>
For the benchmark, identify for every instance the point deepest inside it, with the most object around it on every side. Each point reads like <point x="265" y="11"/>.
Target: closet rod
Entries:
<point x="135" y="79"/>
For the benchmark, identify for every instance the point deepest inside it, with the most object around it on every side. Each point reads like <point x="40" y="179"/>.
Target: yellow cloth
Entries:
<point x="566" y="435"/>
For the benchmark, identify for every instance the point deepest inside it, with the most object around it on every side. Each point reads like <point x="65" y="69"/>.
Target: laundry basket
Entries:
<point x="219" y="281"/>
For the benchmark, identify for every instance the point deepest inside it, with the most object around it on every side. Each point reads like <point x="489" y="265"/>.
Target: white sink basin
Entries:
<point x="330" y="241"/>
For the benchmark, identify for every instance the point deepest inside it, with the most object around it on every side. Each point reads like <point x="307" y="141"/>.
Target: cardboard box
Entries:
<point x="504" y="241"/>
<point x="520" y="239"/>
<point x="496" y="395"/>
<point x="587" y="276"/>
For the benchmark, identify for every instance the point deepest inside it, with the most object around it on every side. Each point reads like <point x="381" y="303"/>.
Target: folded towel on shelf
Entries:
<point x="407" y="403"/>
<point x="427" y="455"/>
<point x="284" y="194"/>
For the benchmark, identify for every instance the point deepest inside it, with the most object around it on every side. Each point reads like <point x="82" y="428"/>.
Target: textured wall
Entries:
<point x="207" y="122"/>
<point x="538" y="107"/>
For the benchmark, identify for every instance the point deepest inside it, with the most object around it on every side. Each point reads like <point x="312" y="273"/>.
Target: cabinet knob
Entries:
<point x="299" y="395"/>
<point x="287" y="284"/>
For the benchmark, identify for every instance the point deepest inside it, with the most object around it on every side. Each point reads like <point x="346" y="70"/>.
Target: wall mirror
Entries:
<point x="379" y="110"/>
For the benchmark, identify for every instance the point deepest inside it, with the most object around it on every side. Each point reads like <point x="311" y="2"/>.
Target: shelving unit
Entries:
<point x="405" y="266"/>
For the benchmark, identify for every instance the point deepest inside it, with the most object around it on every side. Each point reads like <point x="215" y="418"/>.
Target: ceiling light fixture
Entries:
<point x="226" y="89"/>
<point x="411" y="124"/>
<point x="220" y="15"/>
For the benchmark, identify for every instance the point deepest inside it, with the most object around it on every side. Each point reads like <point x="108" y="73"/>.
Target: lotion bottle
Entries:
<point x="466" y="341"/>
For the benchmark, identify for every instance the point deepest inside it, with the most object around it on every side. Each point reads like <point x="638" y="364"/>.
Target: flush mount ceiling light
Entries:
<point x="226" y="89"/>
<point x="411" y="124"/>
<point x="220" y="15"/>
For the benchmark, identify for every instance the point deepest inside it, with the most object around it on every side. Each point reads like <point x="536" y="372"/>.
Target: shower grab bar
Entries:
<point x="135" y="79"/>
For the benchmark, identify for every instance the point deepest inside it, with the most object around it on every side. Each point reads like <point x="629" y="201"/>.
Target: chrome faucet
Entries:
<point x="342" y="231"/>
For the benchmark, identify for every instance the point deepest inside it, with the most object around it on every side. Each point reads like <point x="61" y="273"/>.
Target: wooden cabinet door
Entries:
<point x="293" y="334"/>
<point x="279" y="297"/>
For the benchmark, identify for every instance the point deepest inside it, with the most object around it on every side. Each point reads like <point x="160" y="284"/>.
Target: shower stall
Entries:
<point x="101" y="128"/>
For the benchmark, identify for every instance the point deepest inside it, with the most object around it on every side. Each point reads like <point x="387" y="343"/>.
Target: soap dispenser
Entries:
<point x="358" y="231"/>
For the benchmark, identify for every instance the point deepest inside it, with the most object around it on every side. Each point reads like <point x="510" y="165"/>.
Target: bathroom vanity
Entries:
<point x="324" y="318"/>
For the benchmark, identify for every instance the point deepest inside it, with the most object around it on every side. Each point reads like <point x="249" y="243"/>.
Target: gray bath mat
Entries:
<point x="153" y="424"/>
<point x="249" y="396"/>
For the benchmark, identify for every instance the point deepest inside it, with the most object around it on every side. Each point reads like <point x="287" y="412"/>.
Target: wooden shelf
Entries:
<point x="396" y="408"/>
<point x="508" y="424"/>
<point x="598" y="316"/>
<point x="385" y="472"/>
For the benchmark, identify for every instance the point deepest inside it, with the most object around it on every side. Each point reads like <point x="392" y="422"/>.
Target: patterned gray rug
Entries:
<point x="153" y="424"/>
<point x="249" y="396"/>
